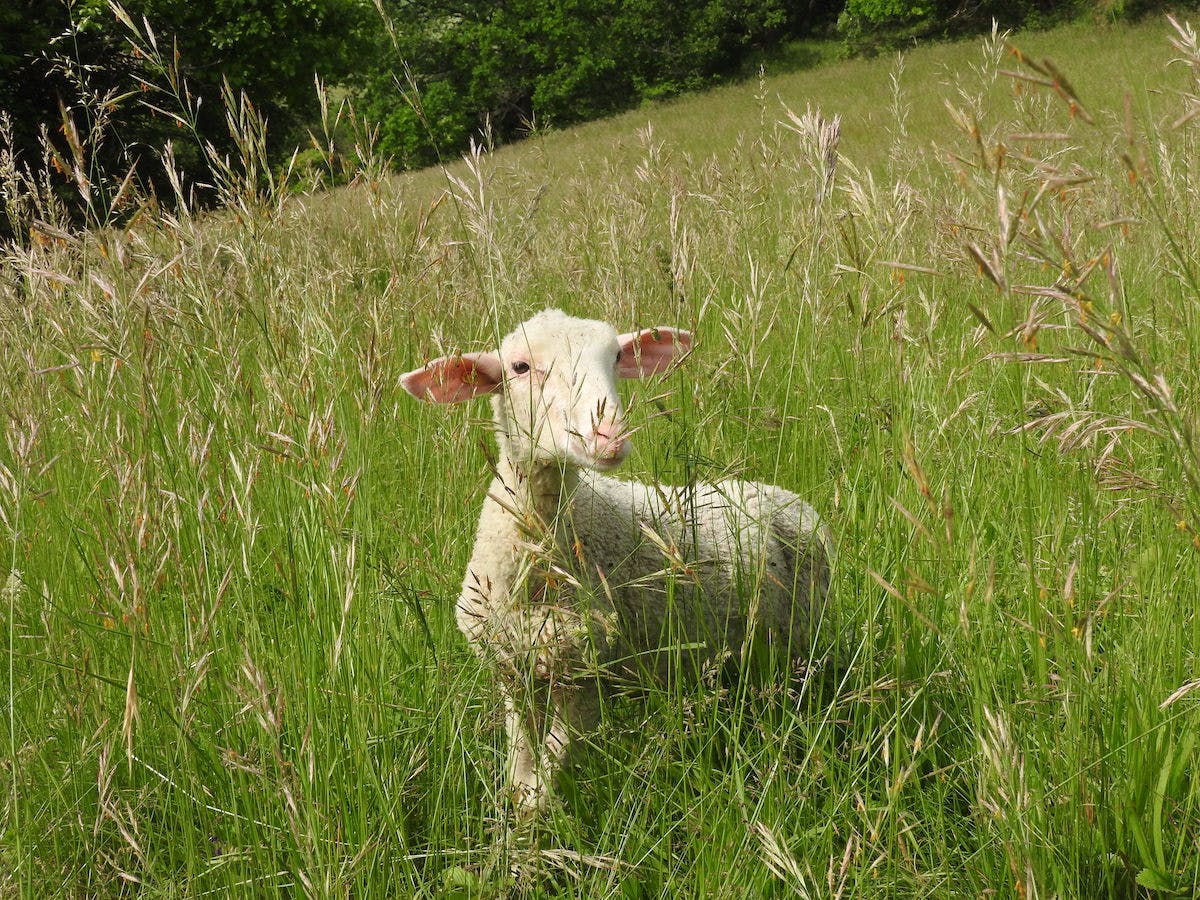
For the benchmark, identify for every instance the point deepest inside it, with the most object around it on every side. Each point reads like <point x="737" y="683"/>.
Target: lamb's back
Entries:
<point x="695" y="564"/>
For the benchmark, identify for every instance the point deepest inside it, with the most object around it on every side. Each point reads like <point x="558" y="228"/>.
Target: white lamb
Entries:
<point x="578" y="580"/>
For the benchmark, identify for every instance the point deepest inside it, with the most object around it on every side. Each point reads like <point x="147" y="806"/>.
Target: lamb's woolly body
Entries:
<point x="593" y="596"/>
<point x="578" y="580"/>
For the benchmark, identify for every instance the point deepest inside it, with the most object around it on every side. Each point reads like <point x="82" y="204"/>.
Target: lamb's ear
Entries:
<point x="451" y="379"/>
<point x="651" y="350"/>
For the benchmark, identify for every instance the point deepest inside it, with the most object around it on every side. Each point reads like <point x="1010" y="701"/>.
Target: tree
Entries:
<point x="70" y="78"/>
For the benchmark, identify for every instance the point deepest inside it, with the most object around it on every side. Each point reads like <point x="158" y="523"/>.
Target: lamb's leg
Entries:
<point x="525" y="778"/>
<point x="538" y="744"/>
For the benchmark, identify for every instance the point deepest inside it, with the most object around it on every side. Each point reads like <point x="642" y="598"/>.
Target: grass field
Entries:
<point x="231" y="544"/>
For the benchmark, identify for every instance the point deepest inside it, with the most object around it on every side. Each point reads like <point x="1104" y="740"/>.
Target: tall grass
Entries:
<point x="231" y="546"/>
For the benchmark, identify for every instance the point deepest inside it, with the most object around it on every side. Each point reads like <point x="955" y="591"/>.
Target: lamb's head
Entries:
<point x="554" y="385"/>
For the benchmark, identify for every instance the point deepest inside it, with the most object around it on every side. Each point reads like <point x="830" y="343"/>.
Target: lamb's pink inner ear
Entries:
<point x="651" y="350"/>
<point x="451" y="379"/>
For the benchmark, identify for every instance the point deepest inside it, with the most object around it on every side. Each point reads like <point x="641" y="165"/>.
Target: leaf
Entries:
<point x="458" y="882"/>
<point x="1156" y="881"/>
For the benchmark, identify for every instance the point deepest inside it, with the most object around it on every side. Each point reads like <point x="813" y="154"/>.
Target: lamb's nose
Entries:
<point x="609" y="441"/>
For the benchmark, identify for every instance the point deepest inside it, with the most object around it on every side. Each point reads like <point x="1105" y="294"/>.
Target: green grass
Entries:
<point x="231" y="665"/>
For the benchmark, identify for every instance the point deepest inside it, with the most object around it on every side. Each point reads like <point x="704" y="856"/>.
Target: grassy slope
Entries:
<point x="233" y="663"/>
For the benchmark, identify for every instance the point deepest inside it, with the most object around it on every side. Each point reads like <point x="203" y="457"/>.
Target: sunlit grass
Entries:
<point x="234" y="544"/>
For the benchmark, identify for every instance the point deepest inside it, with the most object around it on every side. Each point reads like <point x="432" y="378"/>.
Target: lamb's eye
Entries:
<point x="520" y="368"/>
<point x="618" y="362"/>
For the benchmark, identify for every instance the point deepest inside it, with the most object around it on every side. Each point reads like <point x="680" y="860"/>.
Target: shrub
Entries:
<point x="868" y="25"/>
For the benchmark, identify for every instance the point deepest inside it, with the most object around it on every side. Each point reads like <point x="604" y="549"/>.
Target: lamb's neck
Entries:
<point x="537" y="488"/>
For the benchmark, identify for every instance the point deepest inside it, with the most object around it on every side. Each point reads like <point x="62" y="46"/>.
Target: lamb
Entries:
<point x="577" y="580"/>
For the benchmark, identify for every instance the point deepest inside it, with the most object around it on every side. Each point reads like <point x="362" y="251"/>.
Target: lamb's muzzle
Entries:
<point x="568" y="575"/>
<point x="607" y="444"/>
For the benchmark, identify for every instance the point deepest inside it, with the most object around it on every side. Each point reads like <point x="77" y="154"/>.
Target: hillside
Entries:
<point x="232" y="544"/>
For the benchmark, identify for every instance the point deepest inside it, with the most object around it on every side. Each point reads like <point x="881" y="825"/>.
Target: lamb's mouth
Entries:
<point x="606" y="463"/>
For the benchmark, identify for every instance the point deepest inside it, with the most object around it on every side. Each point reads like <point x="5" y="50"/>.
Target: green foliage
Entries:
<point x="269" y="49"/>
<point x="867" y="25"/>
<point x="230" y="547"/>
<point x="879" y="12"/>
<point x="69" y="83"/>
<point x="412" y="128"/>
<point x="441" y="74"/>
<point x="505" y="68"/>
<point x="512" y="65"/>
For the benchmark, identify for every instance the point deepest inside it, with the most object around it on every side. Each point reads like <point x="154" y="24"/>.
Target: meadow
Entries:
<point x="962" y="323"/>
